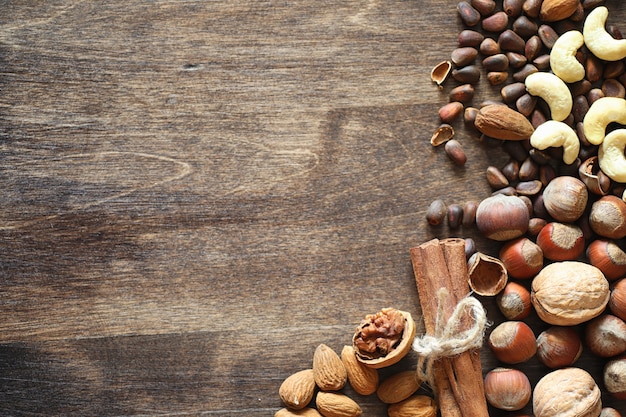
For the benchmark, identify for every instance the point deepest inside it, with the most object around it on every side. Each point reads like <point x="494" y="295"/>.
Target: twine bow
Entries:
<point x="448" y="340"/>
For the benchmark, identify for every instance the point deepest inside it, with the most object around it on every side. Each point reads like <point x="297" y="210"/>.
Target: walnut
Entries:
<point x="569" y="293"/>
<point x="568" y="392"/>
<point x="383" y="338"/>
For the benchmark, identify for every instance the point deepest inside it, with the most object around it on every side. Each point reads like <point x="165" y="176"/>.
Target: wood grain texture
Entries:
<point x="197" y="193"/>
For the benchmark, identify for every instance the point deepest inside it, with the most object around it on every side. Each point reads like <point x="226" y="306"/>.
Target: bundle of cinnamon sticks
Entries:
<point x="457" y="380"/>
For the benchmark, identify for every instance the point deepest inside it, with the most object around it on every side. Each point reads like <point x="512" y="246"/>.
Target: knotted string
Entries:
<point x="448" y="340"/>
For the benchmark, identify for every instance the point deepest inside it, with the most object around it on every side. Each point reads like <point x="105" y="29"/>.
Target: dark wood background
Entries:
<point x="196" y="194"/>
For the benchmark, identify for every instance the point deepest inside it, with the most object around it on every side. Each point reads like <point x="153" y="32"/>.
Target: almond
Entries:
<point x="297" y="390"/>
<point x="502" y="122"/>
<point x="328" y="370"/>
<point x="363" y="379"/>
<point x="334" y="404"/>
<point x="415" y="406"/>
<point x="305" y="412"/>
<point x="555" y="10"/>
<point x="398" y="387"/>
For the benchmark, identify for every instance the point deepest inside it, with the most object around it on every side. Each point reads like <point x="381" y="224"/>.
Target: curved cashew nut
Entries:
<point x="553" y="90"/>
<point x="598" y="40"/>
<point x="611" y="155"/>
<point x="602" y="112"/>
<point x="554" y="134"/>
<point x="563" y="57"/>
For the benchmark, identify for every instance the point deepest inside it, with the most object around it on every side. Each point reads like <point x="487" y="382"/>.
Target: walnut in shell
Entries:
<point x="569" y="293"/>
<point x="384" y="338"/>
<point x="568" y="392"/>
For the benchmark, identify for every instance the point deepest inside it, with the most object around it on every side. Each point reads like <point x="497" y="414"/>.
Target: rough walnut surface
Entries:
<point x="569" y="293"/>
<point x="569" y="392"/>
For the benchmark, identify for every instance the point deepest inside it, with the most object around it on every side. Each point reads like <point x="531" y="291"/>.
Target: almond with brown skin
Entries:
<point x="297" y="390"/>
<point x="555" y="10"/>
<point x="334" y="404"/>
<point x="414" y="406"/>
<point x="398" y="387"/>
<point x="362" y="378"/>
<point x="305" y="412"/>
<point x="502" y="122"/>
<point x="328" y="370"/>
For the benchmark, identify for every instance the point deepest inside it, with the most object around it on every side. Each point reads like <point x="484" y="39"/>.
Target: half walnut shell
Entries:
<point x="382" y="339"/>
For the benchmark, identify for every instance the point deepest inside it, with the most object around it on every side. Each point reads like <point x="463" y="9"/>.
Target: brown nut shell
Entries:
<point x="373" y="357"/>
<point x="568" y="392"/>
<point x="487" y="275"/>
<point x="569" y="292"/>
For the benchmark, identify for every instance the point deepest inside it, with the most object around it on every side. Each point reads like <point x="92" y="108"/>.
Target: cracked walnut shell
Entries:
<point x="382" y="339"/>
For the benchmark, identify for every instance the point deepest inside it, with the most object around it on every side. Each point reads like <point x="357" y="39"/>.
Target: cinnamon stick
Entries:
<point x="458" y="380"/>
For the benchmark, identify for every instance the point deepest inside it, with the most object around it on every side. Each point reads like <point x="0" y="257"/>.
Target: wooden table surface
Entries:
<point x="195" y="194"/>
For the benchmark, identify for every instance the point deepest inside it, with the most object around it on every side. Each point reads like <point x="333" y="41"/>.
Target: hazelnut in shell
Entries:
<point x="382" y="339"/>
<point x="507" y="389"/>
<point x="567" y="392"/>
<point x="502" y="217"/>
<point x="559" y="347"/>
<point x="561" y="241"/>
<point x="514" y="301"/>
<point x="608" y="217"/>
<point x="617" y="300"/>
<point x="512" y="342"/>
<point x="608" y="257"/>
<point x="606" y="336"/>
<point x="569" y="292"/>
<point x="522" y="258"/>
<point x="614" y="376"/>
<point x="565" y="198"/>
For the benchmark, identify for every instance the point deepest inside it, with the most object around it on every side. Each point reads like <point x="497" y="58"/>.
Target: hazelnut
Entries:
<point x="567" y="392"/>
<point x="606" y="336"/>
<point x="507" y="389"/>
<point x="502" y="217"/>
<point x="514" y="301"/>
<point x="522" y="258"/>
<point x="558" y="347"/>
<point x="561" y="241"/>
<point x="608" y="257"/>
<point x="610" y="412"/>
<point x="569" y="292"/>
<point x="615" y="377"/>
<point x="608" y="217"/>
<point x="565" y="198"/>
<point x="512" y="342"/>
<point x="382" y="339"/>
<point x="617" y="301"/>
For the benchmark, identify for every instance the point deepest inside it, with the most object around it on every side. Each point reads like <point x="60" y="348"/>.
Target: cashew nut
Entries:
<point x="598" y="40"/>
<point x="553" y="90"/>
<point x="611" y="155"/>
<point x="554" y="134"/>
<point x="563" y="57"/>
<point x="602" y="112"/>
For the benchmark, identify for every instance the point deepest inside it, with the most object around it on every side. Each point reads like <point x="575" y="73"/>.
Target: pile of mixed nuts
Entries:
<point x="558" y="205"/>
<point x="558" y="208"/>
